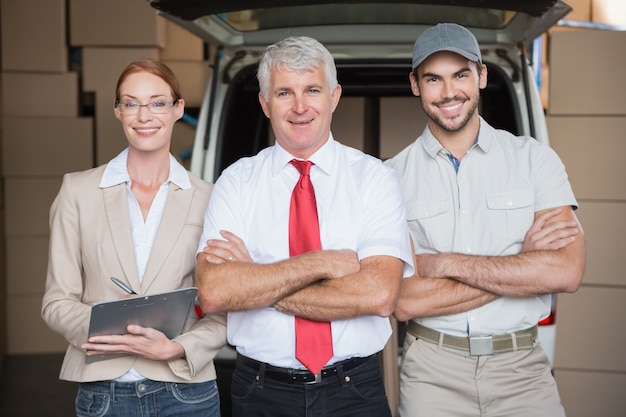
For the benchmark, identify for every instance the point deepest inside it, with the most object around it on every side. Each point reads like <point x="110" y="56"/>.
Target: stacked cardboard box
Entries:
<point x="60" y="58"/>
<point x="43" y="136"/>
<point x="581" y="12"/>
<point x="609" y="12"/>
<point x="587" y="120"/>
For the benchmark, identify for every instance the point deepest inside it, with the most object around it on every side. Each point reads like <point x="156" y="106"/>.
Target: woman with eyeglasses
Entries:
<point x="137" y="218"/>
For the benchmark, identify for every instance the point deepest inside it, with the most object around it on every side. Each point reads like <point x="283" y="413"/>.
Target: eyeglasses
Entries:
<point x="156" y="107"/>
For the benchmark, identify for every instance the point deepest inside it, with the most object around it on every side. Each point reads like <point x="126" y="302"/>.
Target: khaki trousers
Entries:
<point x="444" y="382"/>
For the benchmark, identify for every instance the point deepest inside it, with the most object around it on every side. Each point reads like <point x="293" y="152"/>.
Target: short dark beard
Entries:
<point x="439" y="122"/>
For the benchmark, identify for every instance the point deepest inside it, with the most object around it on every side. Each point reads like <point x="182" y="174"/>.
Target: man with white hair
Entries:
<point x="308" y="288"/>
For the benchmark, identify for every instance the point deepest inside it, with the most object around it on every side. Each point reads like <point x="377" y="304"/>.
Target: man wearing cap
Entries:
<point x="492" y="222"/>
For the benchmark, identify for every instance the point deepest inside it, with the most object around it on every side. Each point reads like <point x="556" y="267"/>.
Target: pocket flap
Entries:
<point x="510" y="200"/>
<point x="424" y="210"/>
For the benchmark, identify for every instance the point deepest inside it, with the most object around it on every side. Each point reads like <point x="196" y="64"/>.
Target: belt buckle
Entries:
<point x="318" y="378"/>
<point x="481" y="345"/>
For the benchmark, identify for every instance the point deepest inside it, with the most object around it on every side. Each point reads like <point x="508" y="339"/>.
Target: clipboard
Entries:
<point x="166" y="312"/>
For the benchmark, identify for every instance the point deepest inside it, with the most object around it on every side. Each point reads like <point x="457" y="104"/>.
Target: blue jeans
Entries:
<point x="147" y="398"/>
<point x="356" y="392"/>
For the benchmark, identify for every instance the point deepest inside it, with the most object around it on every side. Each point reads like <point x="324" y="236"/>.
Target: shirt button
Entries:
<point x="468" y="250"/>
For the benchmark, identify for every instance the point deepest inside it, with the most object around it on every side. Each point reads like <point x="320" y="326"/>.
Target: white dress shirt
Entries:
<point x="360" y="207"/>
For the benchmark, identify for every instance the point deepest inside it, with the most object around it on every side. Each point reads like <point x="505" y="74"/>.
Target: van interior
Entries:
<point x="245" y="129"/>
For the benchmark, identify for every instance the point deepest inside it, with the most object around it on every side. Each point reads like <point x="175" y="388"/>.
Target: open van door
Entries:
<point x="241" y="29"/>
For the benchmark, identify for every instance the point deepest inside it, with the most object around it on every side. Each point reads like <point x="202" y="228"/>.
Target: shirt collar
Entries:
<point x="484" y="136"/>
<point x="433" y="147"/>
<point x="323" y="158"/>
<point x="116" y="172"/>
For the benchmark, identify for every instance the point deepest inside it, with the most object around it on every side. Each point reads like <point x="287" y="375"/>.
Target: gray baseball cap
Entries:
<point x="446" y="37"/>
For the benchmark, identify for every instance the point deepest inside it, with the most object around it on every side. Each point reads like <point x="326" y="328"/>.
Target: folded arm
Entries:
<point x="227" y="280"/>
<point x="422" y="296"/>
<point x="373" y="290"/>
<point x="320" y="285"/>
<point x="530" y="273"/>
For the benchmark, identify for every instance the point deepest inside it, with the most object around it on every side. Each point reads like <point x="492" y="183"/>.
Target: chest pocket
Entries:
<point x="431" y="224"/>
<point x="511" y="214"/>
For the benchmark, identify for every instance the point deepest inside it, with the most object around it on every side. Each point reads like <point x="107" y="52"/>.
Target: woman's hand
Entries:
<point x="232" y="249"/>
<point x="142" y="341"/>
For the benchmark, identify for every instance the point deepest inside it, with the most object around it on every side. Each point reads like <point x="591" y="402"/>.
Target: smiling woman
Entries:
<point x="136" y="218"/>
<point x="152" y="83"/>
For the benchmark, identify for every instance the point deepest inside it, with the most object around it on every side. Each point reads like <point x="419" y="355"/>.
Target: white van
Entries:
<point x="372" y="44"/>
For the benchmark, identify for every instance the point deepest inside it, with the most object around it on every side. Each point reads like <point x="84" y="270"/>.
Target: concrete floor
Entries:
<point x="30" y="387"/>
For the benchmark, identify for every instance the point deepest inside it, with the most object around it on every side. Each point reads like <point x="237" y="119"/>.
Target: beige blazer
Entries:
<point x="91" y="241"/>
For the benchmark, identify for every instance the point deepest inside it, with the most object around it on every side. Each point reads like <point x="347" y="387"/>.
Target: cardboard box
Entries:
<point x="347" y="125"/>
<point x="604" y="235"/>
<point x="587" y="393"/>
<point x="28" y="203"/>
<point x="115" y="23"/>
<point x="46" y="146"/>
<point x="102" y="67"/>
<point x="27" y="263"/>
<point x="593" y="87"/>
<point x="609" y="12"/>
<point x="402" y="120"/>
<point x="581" y="13"/>
<point x="34" y="41"/>
<point x="580" y="141"/>
<point x="181" y="45"/>
<point x="32" y="94"/>
<point x="581" y="10"/>
<point x="193" y="78"/>
<point x="603" y="313"/>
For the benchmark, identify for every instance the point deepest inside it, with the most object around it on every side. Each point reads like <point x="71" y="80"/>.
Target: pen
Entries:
<point x="123" y="286"/>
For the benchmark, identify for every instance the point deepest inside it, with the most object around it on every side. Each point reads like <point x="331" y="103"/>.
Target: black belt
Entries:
<point x="302" y="376"/>
<point x="476" y="346"/>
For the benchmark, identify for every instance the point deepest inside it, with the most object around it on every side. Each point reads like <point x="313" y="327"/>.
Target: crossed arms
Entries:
<point x="552" y="260"/>
<point x="320" y="285"/>
<point x="334" y="285"/>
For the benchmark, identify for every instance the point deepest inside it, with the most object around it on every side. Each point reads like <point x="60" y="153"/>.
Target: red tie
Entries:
<point x="314" y="342"/>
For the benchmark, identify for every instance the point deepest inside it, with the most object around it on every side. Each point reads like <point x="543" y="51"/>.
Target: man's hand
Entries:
<point x="341" y="262"/>
<point x="548" y="234"/>
<point x="228" y="279"/>
<point x="545" y="233"/>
